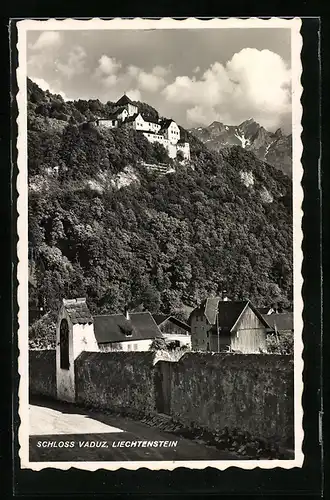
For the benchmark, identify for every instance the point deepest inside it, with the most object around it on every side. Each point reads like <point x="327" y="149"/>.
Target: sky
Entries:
<point x="195" y="76"/>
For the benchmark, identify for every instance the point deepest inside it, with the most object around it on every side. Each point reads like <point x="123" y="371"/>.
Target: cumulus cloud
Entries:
<point x="253" y="83"/>
<point x="150" y="82"/>
<point x="108" y="65"/>
<point x="46" y="39"/>
<point x="134" y="94"/>
<point x="75" y="63"/>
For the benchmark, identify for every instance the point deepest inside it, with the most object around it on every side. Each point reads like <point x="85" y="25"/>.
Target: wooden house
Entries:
<point x="228" y="326"/>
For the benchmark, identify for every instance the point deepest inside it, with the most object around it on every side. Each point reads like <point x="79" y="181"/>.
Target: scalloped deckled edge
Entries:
<point x="22" y="229"/>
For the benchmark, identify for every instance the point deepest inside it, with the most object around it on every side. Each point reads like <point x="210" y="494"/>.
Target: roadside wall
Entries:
<point x="116" y="380"/>
<point x="251" y="392"/>
<point x="42" y="373"/>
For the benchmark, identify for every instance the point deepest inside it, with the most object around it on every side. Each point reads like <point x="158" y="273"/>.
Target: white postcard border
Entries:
<point x="22" y="229"/>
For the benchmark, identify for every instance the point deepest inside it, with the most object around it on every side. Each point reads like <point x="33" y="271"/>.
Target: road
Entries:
<point x="62" y="432"/>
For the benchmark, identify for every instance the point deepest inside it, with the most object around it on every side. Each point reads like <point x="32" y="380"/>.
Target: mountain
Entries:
<point x="101" y="226"/>
<point x="273" y="148"/>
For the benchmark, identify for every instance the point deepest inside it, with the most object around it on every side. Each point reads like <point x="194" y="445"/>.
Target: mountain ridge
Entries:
<point x="274" y="148"/>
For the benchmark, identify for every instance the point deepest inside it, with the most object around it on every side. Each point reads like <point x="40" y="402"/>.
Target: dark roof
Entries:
<point x="131" y="118"/>
<point x="124" y="100"/>
<point x="161" y="318"/>
<point x="282" y="321"/>
<point x="78" y="311"/>
<point x="149" y="119"/>
<point x="228" y="312"/>
<point x="166" y="123"/>
<point x="114" y="327"/>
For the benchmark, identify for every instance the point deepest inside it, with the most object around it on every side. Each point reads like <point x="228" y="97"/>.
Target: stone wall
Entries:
<point x="116" y="381"/>
<point x="42" y="373"/>
<point x="251" y="392"/>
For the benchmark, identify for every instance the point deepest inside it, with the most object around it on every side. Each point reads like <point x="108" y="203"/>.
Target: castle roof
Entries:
<point x="124" y="100"/>
<point x="166" y="123"/>
<point x="131" y="118"/>
<point x="148" y="118"/>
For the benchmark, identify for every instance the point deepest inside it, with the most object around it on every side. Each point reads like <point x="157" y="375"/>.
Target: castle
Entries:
<point x="165" y="132"/>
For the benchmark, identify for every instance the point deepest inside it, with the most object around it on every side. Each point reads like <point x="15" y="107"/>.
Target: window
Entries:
<point x="128" y="347"/>
<point x="208" y="346"/>
<point x="64" y="345"/>
<point x="135" y="347"/>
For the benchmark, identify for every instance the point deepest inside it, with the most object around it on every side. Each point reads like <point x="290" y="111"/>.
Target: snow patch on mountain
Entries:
<point x="244" y="141"/>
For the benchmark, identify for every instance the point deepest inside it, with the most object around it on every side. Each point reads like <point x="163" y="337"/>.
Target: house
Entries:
<point x="130" y="332"/>
<point x="170" y="130"/>
<point x="77" y="331"/>
<point x="280" y="322"/>
<point x="224" y="325"/>
<point x="173" y="329"/>
<point x="125" y="102"/>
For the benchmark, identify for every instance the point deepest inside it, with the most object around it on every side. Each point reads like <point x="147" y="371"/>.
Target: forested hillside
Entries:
<point x="101" y="226"/>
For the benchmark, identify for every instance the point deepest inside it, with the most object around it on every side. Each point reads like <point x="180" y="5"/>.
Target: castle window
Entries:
<point x="64" y="345"/>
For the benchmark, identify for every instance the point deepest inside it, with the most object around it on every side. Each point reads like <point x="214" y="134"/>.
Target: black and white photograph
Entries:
<point x="159" y="202"/>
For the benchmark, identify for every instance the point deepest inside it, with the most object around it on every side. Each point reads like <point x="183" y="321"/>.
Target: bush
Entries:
<point x="42" y="333"/>
<point x="280" y="344"/>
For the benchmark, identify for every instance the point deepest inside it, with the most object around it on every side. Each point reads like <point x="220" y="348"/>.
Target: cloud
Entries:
<point x="150" y="82"/>
<point x="45" y="86"/>
<point x="134" y="94"/>
<point x="108" y="65"/>
<point x="46" y="39"/>
<point x="75" y="63"/>
<point x="253" y="83"/>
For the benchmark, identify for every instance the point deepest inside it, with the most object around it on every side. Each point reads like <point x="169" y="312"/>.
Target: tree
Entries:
<point x="158" y="344"/>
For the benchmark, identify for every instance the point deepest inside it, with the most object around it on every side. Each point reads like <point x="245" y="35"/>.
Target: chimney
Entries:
<point x="224" y="296"/>
<point x="126" y="313"/>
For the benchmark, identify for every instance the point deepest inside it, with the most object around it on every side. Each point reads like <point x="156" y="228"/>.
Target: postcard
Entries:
<point x="159" y="243"/>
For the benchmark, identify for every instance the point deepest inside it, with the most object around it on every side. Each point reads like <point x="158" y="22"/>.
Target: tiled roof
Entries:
<point x="282" y="321"/>
<point x="114" y="327"/>
<point x="78" y="311"/>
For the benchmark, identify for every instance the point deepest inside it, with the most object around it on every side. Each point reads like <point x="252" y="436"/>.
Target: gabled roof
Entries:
<point x="132" y="118"/>
<point x="280" y="321"/>
<point x="160" y="319"/>
<point x="229" y="312"/>
<point x="166" y="123"/>
<point x="124" y="100"/>
<point x="115" y="327"/>
<point x="150" y="119"/>
<point x="78" y="311"/>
